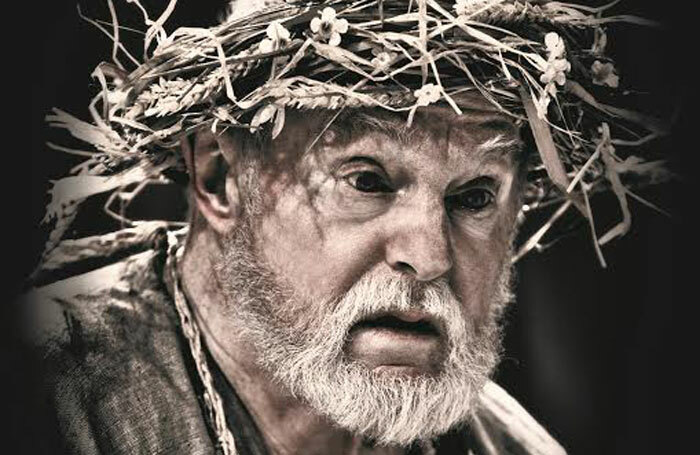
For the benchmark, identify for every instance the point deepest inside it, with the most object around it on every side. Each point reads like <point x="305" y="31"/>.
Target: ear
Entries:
<point x="213" y="183"/>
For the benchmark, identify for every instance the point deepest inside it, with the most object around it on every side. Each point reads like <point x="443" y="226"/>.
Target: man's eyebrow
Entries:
<point x="500" y="145"/>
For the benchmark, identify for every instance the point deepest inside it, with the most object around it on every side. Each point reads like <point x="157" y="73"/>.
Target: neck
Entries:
<point x="288" y="426"/>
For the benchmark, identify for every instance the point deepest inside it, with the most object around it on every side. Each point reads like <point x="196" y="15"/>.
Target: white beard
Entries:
<point x="307" y="356"/>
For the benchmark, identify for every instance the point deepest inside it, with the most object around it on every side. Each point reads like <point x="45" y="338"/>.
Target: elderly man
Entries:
<point x="346" y="261"/>
<point x="364" y="277"/>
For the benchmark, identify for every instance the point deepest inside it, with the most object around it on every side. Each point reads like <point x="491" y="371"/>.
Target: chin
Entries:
<point x="391" y="405"/>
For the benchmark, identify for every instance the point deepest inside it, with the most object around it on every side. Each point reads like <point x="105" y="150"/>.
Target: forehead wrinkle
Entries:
<point x="478" y="132"/>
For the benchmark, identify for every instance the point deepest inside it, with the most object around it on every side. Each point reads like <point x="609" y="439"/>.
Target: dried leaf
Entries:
<point x="548" y="151"/>
<point x="279" y="122"/>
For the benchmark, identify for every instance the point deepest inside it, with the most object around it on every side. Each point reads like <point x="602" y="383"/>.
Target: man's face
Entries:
<point x="371" y="264"/>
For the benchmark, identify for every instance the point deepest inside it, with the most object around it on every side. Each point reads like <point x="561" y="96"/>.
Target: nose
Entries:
<point x="419" y="242"/>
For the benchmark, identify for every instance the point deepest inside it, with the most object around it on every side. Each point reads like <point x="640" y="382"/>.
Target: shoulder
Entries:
<point x="112" y="360"/>
<point x="503" y="426"/>
<point x="102" y="294"/>
<point x="76" y="313"/>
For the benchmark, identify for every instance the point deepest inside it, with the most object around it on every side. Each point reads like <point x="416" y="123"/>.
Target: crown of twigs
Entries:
<point x="542" y="62"/>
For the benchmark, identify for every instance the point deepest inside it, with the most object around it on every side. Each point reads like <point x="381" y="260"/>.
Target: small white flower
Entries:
<point x="555" y="45"/>
<point x="555" y="68"/>
<point x="555" y="71"/>
<point x="604" y="74"/>
<point x="277" y="38"/>
<point x="328" y="27"/>
<point x="382" y="58"/>
<point x="427" y="94"/>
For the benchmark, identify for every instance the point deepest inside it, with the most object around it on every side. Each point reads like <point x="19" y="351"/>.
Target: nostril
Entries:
<point x="405" y="267"/>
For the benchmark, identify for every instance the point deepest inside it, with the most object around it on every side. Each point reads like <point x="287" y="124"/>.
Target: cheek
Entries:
<point x="478" y="263"/>
<point x="290" y="239"/>
<point x="312" y="251"/>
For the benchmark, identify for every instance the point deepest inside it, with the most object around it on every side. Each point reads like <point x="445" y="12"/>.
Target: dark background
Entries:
<point x="602" y="357"/>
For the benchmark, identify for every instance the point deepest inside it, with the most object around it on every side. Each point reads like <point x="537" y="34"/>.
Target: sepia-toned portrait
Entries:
<point x="421" y="227"/>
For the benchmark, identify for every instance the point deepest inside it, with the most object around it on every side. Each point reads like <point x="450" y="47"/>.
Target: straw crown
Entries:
<point x="540" y="62"/>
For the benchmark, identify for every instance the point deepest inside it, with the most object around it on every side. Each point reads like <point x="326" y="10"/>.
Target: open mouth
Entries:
<point x="400" y="342"/>
<point x="422" y="327"/>
<point x="412" y="323"/>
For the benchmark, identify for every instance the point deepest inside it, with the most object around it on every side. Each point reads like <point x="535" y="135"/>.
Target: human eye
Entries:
<point x="368" y="182"/>
<point x="366" y="175"/>
<point x="475" y="197"/>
